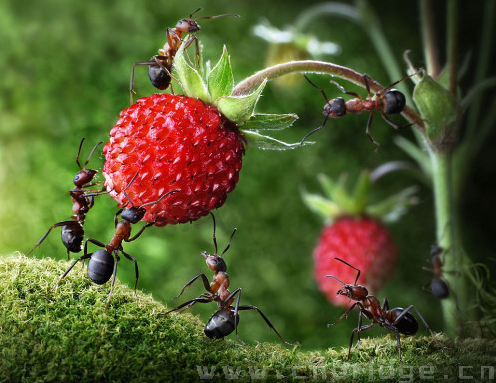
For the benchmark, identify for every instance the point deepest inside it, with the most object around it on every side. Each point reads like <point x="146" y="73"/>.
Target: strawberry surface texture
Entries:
<point x="364" y="243"/>
<point x="173" y="142"/>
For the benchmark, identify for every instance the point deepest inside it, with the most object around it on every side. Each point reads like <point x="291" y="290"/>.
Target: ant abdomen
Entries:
<point x="221" y="324"/>
<point x="439" y="289"/>
<point x="159" y="78"/>
<point x="407" y="325"/>
<point x="100" y="266"/>
<point x="72" y="236"/>
<point x="394" y="102"/>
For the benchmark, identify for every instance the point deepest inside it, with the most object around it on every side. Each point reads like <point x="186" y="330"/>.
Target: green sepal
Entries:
<point x="269" y="143"/>
<point x="437" y="106"/>
<point x="392" y="208"/>
<point x="261" y="121"/>
<point x="321" y="206"/>
<point x="191" y="81"/>
<point x="239" y="109"/>
<point x="220" y="79"/>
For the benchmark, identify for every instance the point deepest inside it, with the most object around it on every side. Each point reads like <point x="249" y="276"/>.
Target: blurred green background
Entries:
<point x="65" y="75"/>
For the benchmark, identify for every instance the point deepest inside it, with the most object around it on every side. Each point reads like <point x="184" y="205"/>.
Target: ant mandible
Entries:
<point x="160" y="66"/>
<point x="438" y="286"/>
<point x="397" y="320"/>
<point x="101" y="265"/>
<point x="73" y="230"/>
<point x="386" y="101"/>
<point x="224" y="321"/>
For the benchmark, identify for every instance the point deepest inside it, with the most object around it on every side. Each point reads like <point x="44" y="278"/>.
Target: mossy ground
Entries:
<point x="66" y="336"/>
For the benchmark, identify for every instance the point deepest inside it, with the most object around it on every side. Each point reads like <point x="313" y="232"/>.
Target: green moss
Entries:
<point x="66" y="336"/>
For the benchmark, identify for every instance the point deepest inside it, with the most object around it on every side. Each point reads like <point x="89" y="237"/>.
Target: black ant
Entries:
<point x="438" y="286"/>
<point x="386" y="101"/>
<point x="101" y="265"/>
<point x="160" y="66"/>
<point x="398" y="320"/>
<point x="82" y="202"/>
<point x="224" y="321"/>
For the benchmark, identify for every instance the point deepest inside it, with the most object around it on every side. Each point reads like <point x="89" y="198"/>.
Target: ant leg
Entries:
<point x="345" y="315"/>
<point x="250" y="307"/>
<point x="83" y="257"/>
<point x="93" y="241"/>
<point x="397" y="82"/>
<point x="187" y="305"/>
<point x="403" y="313"/>
<point x="114" y="274"/>
<point x="131" y="83"/>
<point x="394" y="125"/>
<point x="131" y="258"/>
<point x="385" y="304"/>
<point x="354" y="94"/>
<point x="140" y="232"/>
<point x="48" y="232"/>
<point x="206" y="283"/>
<point x="367" y="132"/>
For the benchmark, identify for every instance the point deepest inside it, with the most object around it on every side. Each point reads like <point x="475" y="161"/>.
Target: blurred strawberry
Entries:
<point x="354" y="232"/>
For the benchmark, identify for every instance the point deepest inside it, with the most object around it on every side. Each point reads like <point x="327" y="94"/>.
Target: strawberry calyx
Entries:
<point x="338" y="200"/>
<point x="215" y="86"/>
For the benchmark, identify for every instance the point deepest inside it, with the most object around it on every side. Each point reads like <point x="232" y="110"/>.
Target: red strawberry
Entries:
<point x="355" y="234"/>
<point x="175" y="143"/>
<point x="188" y="143"/>
<point x="364" y="243"/>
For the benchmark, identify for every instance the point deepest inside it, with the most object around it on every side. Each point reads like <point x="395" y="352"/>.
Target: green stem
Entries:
<point x="310" y="66"/>
<point x="429" y="39"/>
<point x="452" y="46"/>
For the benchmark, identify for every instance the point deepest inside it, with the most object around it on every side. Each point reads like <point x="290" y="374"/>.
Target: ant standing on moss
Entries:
<point x="387" y="101"/>
<point x="82" y="201"/>
<point x="397" y="320"/>
<point x="101" y="265"/>
<point x="160" y="66"/>
<point x="226" y="319"/>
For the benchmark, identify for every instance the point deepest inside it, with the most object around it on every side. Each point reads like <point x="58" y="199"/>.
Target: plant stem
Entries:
<point x="310" y="66"/>
<point x="452" y="46"/>
<point x="429" y="39"/>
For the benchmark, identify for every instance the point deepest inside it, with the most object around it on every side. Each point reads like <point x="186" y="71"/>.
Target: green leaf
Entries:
<point x="269" y="143"/>
<point x="220" y="80"/>
<point x="239" y="109"/>
<point x="261" y="121"/>
<point x="191" y="81"/>
<point x="320" y="205"/>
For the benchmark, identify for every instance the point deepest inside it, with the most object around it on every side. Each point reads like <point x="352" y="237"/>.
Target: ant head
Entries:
<point x="133" y="214"/>
<point x="187" y="26"/>
<point x="354" y="292"/>
<point x="84" y="177"/>
<point x="394" y="102"/>
<point x="215" y="262"/>
<point x="335" y="108"/>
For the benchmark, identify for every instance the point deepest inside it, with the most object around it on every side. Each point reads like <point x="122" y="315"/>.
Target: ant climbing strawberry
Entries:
<point x="160" y="66"/>
<point x="386" y="101"/>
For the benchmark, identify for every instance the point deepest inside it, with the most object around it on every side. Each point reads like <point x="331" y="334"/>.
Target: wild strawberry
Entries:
<point x="364" y="243"/>
<point x="175" y="143"/>
<point x="192" y="143"/>
<point x="355" y="234"/>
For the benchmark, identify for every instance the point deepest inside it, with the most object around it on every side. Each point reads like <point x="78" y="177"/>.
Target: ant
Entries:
<point x="224" y="321"/>
<point x="101" y="265"/>
<point x="398" y="320"/>
<point x="82" y="202"/>
<point x="438" y="286"/>
<point x="386" y="101"/>
<point x="160" y="66"/>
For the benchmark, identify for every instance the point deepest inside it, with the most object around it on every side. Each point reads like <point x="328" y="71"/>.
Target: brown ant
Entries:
<point x="160" y="66"/>
<point x="101" y="265"/>
<point x="82" y="201"/>
<point x="224" y="321"/>
<point x="398" y="320"/>
<point x="437" y="286"/>
<point x="386" y="101"/>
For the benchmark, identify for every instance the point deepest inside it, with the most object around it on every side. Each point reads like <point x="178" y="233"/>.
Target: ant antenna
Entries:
<point x="336" y="278"/>
<point x="229" y="244"/>
<point x="129" y="184"/>
<point x="353" y="267"/>
<point x="89" y="157"/>
<point x="160" y="198"/>
<point x="214" y="238"/>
